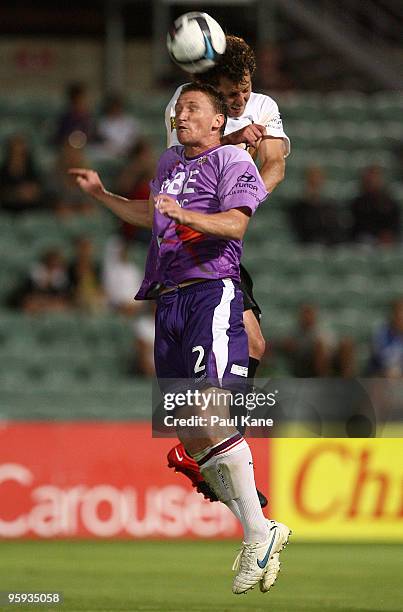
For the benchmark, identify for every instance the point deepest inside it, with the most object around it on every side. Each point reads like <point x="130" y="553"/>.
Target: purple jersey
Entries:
<point x="215" y="181"/>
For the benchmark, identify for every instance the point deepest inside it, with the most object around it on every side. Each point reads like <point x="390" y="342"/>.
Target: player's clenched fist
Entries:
<point x="250" y="135"/>
<point x="169" y="207"/>
<point x="88" y="180"/>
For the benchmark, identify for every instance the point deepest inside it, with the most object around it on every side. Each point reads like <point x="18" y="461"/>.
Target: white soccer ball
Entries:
<point x="195" y="42"/>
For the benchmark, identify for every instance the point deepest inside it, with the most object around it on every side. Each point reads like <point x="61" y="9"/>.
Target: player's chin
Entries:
<point x="184" y="136"/>
<point x="236" y="112"/>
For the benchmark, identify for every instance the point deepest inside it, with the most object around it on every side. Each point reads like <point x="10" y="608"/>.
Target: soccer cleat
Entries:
<point x="273" y="568"/>
<point x="271" y="574"/>
<point x="180" y="461"/>
<point x="262" y="499"/>
<point x="260" y="563"/>
<point x="251" y="564"/>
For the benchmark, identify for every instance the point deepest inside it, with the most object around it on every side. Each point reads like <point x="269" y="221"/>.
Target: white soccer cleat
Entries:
<point x="273" y="567"/>
<point x="260" y="562"/>
<point x="251" y="564"/>
<point x="271" y="573"/>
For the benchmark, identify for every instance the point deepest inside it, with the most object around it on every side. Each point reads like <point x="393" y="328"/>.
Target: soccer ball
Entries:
<point x="196" y="42"/>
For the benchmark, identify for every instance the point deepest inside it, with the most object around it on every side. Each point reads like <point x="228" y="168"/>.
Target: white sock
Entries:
<point x="231" y="504"/>
<point x="228" y="469"/>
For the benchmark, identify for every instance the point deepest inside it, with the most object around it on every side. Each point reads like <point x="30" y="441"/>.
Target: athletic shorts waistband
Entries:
<point x="199" y="286"/>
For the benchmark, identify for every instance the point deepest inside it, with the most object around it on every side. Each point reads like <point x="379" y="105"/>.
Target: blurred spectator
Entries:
<point x="314" y="218"/>
<point x="47" y="287"/>
<point x="387" y="347"/>
<point x="20" y="184"/>
<point x="121" y="278"/>
<point x="76" y="125"/>
<point x="375" y="214"/>
<point x="271" y="69"/>
<point x="117" y="130"/>
<point x="85" y="278"/>
<point x="135" y="177"/>
<point x="144" y="329"/>
<point x="66" y="196"/>
<point x="133" y="183"/>
<point x="313" y="351"/>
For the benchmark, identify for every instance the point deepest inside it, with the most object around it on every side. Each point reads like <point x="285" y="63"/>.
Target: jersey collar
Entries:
<point x="206" y="152"/>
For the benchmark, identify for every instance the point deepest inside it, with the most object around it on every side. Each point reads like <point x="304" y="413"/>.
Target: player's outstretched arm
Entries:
<point x="135" y="212"/>
<point x="229" y="225"/>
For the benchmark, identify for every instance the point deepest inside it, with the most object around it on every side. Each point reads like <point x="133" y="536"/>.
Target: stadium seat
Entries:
<point x="351" y="105"/>
<point x="301" y="105"/>
<point x="387" y="104"/>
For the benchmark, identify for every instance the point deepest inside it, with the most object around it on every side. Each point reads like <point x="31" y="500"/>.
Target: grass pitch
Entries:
<point x="177" y="576"/>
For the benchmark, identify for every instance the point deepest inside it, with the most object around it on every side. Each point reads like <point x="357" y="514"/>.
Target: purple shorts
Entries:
<point x="200" y="335"/>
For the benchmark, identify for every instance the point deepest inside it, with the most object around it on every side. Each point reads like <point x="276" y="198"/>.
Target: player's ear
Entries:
<point x="219" y="121"/>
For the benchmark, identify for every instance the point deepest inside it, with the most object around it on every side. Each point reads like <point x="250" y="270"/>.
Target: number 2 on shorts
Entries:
<point x="198" y="367"/>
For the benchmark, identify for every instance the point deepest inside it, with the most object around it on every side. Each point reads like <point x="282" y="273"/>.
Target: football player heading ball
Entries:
<point x="253" y="122"/>
<point x="200" y="306"/>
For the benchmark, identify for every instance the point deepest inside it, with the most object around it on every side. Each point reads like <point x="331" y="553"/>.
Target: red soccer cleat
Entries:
<point x="180" y="461"/>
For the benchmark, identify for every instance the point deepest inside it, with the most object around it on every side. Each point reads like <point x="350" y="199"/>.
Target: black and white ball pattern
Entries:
<point x="196" y="42"/>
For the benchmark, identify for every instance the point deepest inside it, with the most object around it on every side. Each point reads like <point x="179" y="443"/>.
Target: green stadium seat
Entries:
<point x="306" y="106"/>
<point x="387" y="105"/>
<point x="389" y="262"/>
<point x="361" y="158"/>
<point x="347" y="105"/>
<point x="310" y="258"/>
<point x="30" y="227"/>
<point x="393" y="132"/>
<point x="287" y="192"/>
<point x="278" y="323"/>
<point x="59" y="331"/>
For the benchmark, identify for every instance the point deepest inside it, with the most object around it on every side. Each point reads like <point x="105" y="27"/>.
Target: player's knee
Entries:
<point x="195" y="445"/>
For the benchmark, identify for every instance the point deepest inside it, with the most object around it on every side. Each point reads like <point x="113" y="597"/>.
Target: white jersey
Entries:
<point x="259" y="109"/>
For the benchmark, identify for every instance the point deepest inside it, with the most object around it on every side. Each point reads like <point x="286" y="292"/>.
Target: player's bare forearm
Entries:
<point x="272" y="173"/>
<point x="272" y="163"/>
<point x="135" y="212"/>
<point x="230" y="225"/>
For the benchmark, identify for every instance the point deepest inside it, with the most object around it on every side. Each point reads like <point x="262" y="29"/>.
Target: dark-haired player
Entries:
<point x="253" y="122"/>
